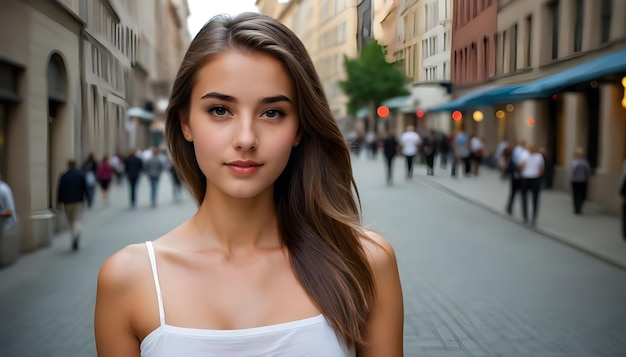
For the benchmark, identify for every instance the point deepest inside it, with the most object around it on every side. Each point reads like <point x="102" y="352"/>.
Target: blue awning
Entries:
<point x="477" y="98"/>
<point x="398" y="102"/>
<point x="613" y="63"/>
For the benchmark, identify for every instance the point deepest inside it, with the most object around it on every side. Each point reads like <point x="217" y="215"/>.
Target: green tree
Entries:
<point x="371" y="79"/>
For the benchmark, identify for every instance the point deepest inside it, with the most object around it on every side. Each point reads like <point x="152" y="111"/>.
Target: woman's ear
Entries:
<point x="298" y="138"/>
<point x="184" y="126"/>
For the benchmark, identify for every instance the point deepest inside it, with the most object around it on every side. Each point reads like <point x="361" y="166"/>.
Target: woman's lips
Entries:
<point x="243" y="168"/>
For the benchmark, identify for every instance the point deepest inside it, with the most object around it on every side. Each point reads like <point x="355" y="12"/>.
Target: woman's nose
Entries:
<point x="244" y="136"/>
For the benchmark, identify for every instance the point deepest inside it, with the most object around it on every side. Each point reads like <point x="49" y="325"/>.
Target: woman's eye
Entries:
<point x="218" y="111"/>
<point x="273" y="113"/>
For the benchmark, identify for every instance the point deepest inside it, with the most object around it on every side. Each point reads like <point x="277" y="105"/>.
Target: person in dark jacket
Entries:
<point x="133" y="167"/>
<point x="579" y="175"/>
<point x="390" y="147"/>
<point x="71" y="195"/>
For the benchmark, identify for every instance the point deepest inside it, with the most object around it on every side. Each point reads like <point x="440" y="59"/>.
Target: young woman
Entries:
<point x="275" y="261"/>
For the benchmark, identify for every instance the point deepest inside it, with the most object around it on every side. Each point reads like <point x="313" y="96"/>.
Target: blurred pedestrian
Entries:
<point x="133" y="166"/>
<point x="476" y="153"/>
<point x="71" y="196"/>
<point x="443" y="149"/>
<point x="429" y="151"/>
<point x="532" y="167"/>
<point x="371" y="141"/>
<point x="514" y="173"/>
<point x="153" y="167"/>
<point x="579" y="175"/>
<point x="7" y="208"/>
<point x="104" y="176"/>
<point x="461" y="153"/>
<point x="276" y="247"/>
<point x="90" y="169"/>
<point x="118" y="167"/>
<point x="390" y="147"/>
<point x="409" y="143"/>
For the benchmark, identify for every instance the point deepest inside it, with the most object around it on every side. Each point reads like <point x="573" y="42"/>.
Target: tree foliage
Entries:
<point x="371" y="79"/>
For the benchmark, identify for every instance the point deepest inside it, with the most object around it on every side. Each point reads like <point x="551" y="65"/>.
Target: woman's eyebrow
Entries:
<point x="228" y="98"/>
<point x="220" y="96"/>
<point x="276" y="98"/>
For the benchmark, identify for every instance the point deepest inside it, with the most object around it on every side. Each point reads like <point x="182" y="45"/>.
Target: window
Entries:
<point x="514" y="50"/>
<point x="578" y="26"/>
<point x="475" y="8"/>
<point x="445" y="41"/>
<point x="529" y="40"/>
<point x="554" y="8"/>
<point x="605" y="20"/>
<point x="486" y="57"/>
<point x="445" y="69"/>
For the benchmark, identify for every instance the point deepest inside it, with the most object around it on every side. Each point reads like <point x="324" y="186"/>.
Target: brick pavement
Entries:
<point x="479" y="284"/>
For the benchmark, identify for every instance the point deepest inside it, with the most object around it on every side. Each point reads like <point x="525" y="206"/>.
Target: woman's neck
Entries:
<point x="237" y="225"/>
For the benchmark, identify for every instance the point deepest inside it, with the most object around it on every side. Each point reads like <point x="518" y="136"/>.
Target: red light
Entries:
<point x="554" y="96"/>
<point x="419" y="113"/>
<point x="457" y="115"/>
<point x="531" y="121"/>
<point x="382" y="111"/>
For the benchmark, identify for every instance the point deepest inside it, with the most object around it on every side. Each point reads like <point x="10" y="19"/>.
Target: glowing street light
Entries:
<point x="382" y="111"/>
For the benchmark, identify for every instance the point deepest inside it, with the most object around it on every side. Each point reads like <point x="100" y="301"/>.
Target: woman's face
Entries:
<point x="242" y="121"/>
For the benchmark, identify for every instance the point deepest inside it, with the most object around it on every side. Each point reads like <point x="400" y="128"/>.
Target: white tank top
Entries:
<point x="307" y="337"/>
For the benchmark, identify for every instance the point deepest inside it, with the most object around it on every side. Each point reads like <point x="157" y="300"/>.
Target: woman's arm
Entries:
<point x="386" y="322"/>
<point x="112" y="322"/>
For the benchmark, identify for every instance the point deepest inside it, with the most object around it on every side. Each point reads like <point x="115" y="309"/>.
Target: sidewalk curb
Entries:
<point x="557" y="237"/>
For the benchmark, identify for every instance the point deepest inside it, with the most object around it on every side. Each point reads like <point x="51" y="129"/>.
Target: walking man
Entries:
<point x="154" y="166"/>
<point x="409" y="141"/>
<point x="133" y="166"/>
<point x="72" y="193"/>
<point x="579" y="175"/>
<point x="532" y="166"/>
<point x="390" y="148"/>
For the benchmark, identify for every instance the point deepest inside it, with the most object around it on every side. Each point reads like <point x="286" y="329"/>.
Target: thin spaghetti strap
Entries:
<point x="156" y="281"/>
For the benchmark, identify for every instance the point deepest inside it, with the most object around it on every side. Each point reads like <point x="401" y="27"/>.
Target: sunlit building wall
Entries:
<point x="327" y="29"/>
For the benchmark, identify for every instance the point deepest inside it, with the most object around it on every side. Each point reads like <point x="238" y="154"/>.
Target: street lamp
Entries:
<point x="478" y="116"/>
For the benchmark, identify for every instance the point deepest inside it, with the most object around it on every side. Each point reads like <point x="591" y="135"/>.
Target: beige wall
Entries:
<point x="32" y="176"/>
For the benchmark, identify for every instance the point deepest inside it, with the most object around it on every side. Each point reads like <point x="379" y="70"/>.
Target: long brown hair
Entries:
<point x="318" y="215"/>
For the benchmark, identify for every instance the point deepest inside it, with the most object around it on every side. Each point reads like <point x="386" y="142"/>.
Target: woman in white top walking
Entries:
<point x="532" y="165"/>
<point x="275" y="261"/>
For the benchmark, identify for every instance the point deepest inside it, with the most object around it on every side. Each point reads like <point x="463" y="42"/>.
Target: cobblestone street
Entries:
<point x="475" y="283"/>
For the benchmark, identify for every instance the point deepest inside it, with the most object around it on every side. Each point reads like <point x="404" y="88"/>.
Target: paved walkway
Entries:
<point x="593" y="232"/>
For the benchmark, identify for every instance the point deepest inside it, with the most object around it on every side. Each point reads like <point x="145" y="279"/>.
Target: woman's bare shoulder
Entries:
<point x="378" y="250"/>
<point x="125" y="268"/>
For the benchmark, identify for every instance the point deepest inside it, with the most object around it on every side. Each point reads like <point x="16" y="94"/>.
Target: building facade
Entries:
<point x="555" y="79"/>
<point x="40" y="103"/>
<point x="65" y="89"/>
<point x="416" y="34"/>
<point x="540" y="38"/>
